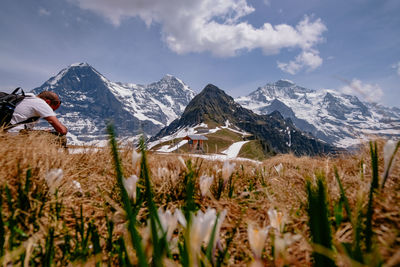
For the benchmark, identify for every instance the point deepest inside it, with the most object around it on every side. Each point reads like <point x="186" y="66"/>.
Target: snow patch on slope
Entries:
<point x="234" y="149"/>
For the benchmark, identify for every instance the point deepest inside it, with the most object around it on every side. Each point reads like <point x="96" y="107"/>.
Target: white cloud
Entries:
<point x="368" y="92"/>
<point x="267" y="2"/>
<point x="43" y="12"/>
<point x="397" y="67"/>
<point x="309" y="60"/>
<point x="215" y="26"/>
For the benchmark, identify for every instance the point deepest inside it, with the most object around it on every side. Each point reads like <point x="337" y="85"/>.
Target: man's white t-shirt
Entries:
<point x="30" y="106"/>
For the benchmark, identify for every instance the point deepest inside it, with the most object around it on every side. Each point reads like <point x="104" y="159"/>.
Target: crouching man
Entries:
<point x="32" y="108"/>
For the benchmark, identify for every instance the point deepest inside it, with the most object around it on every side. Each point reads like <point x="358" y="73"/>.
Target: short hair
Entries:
<point x="48" y="95"/>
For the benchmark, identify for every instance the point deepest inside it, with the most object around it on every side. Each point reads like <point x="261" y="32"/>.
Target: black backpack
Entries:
<point x="8" y="102"/>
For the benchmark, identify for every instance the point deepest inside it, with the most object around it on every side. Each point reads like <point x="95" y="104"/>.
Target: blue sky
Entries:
<point x="351" y="46"/>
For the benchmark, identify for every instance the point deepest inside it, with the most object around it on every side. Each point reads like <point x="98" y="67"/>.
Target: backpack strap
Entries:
<point x="30" y="120"/>
<point x="16" y="90"/>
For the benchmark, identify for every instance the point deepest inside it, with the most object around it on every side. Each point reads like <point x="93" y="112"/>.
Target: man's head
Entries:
<point x="51" y="99"/>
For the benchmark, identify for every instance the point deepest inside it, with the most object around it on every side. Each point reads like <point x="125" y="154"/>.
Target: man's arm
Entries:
<point x="57" y="125"/>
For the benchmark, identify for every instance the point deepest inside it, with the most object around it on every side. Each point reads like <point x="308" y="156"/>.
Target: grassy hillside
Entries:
<point x="90" y="223"/>
<point x="218" y="142"/>
<point x="252" y="150"/>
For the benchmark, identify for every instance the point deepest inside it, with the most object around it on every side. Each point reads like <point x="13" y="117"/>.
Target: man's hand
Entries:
<point x="57" y="125"/>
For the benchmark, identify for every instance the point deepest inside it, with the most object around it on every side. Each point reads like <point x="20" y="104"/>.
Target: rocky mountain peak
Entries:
<point x="213" y="93"/>
<point x="211" y="104"/>
<point x="74" y="77"/>
<point x="279" y="89"/>
<point x="169" y="84"/>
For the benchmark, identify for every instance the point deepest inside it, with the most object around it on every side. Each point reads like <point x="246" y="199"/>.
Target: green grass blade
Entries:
<point x="320" y="227"/>
<point x="110" y="229"/>
<point x="48" y="256"/>
<point x="96" y="242"/>
<point x="374" y="186"/>
<point x="122" y="254"/>
<point x="160" y="245"/>
<point x="386" y="174"/>
<point x="2" y="226"/>
<point x="343" y="194"/>
<point x="223" y="254"/>
<point x="190" y="205"/>
<point x="358" y="229"/>
<point x="136" y="239"/>
<point x="210" y="246"/>
<point x="231" y="186"/>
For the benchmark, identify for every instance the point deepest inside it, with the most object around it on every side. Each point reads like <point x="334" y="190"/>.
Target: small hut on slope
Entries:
<point x="195" y="142"/>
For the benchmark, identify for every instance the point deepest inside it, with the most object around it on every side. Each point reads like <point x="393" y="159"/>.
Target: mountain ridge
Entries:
<point x="339" y="119"/>
<point x="90" y="99"/>
<point x="277" y="135"/>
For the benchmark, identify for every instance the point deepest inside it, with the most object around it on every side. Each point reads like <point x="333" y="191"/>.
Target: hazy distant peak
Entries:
<point x="168" y="77"/>
<point x="81" y="64"/>
<point x="171" y="78"/>
<point x="284" y="83"/>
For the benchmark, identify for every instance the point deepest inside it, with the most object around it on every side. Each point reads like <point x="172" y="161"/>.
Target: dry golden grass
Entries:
<point x="257" y="187"/>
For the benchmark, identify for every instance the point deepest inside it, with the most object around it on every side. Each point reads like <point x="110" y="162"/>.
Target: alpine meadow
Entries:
<point x="200" y="133"/>
<point x="118" y="206"/>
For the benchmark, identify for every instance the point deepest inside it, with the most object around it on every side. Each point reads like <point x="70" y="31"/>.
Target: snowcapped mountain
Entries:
<point x="339" y="119"/>
<point x="89" y="99"/>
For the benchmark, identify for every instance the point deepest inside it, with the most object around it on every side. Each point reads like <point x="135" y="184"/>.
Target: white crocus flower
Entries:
<point x="130" y="186"/>
<point x="201" y="227"/>
<point x="257" y="239"/>
<point x="276" y="219"/>
<point x="162" y="172"/>
<point x="281" y="244"/>
<point x="389" y="150"/>
<point x="182" y="161"/>
<point x="168" y="221"/>
<point x="180" y="217"/>
<point x="279" y="168"/>
<point x="205" y="184"/>
<point x="227" y="170"/>
<point x="77" y="186"/>
<point x="363" y="168"/>
<point x="53" y="179"/>
<point x="136" y="161"/>
<point x="213" y="218"/>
